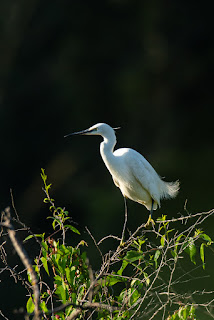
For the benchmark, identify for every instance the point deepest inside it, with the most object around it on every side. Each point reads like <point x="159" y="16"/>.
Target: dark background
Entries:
<point x="146" y="66"/>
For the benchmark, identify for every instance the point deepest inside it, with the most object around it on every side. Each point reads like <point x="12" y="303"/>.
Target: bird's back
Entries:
<point x="142" y="183"/>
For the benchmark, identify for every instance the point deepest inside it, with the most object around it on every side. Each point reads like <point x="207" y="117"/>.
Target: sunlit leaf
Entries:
<point x="43" y="306"/>
<point x="162" y="218"/>
<point x="70" y="274"/>
<point x="162" y="240"/>
<point x="146" y="278"/>
<point x="29" y="237"/>
<point x="136" y="283"/>
<point x="34" y="236"/>
<point x="49" y="186"/>
<point x="61" y="292"/>
<point x="72" y="228"/>
<point x="135" y="295"/>
<point x="124" y="265"/>
<point x="58" y="280"/>
<point x="205" y="237"/>
<point x="192" y="311"/>
<point x="192" y="250"/>
<point x="45" y="264"/>
<point x="202" y="254"/>
<point x="44" y="245"/>
<point x="30" y="305"/>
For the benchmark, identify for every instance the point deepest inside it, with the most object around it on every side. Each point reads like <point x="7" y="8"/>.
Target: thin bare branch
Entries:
<point x="94" y="242"/>
<point x="24" y="258"/>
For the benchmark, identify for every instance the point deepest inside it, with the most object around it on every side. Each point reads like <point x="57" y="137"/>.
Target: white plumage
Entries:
<point x="131" y="172"/>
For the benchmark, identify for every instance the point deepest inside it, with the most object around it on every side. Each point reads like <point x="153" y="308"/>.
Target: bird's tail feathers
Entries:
<point x="170" y="189"/>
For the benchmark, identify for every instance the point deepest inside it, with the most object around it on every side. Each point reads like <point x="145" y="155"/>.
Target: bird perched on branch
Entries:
<point x="131" y="172"/>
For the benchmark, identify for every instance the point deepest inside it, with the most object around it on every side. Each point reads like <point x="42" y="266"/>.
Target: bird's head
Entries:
<point x="101" y="129"/>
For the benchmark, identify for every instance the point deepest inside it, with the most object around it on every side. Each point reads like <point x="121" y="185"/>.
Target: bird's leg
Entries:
<point x="151" y="211"/>
<point x="150" y="220"/>
<point x="124" y="226"/>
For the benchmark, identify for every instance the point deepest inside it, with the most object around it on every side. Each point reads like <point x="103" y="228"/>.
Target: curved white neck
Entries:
<point x="107" y="148"/>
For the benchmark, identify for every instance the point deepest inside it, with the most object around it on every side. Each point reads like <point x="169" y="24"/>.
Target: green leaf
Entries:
<point x="29" y="237"/>
<point x="163" y="218"/>
<point x="72" y="228"/>
<point x="180" y="314"/>
<point x="70" y="274"/>
<point x="135" y="295"/>
<point x="192" y="312"/>
<point x="124" y="265"/>
<point x="62" y="292"/>
<point x="129" y="296"/>
<point x="54" y="224"/>
<point x="111" y="280"/>
<point x="43" y="306"/>
<point x="30" y="305"/>
<point x="202" y="254"/>
<point x="34" y="235"/>
<point x="136" y="283"/>
<point x="192" y="250"/>
<point x="156" y="256"/>
<point x="74" y="297"/>
<point x="183" y="313"/>
<point x="44" y="245"/>
<point x="43" y="175"/>
<point x="37" y="270"/>
<point x="177" y="242"/>
<point x="48" y="186"/>
<point x="205" y="237"/>
<point x="44" y="249"/>
<point x="174" y="254"/>
<point x="162" y="240"/>
<point x="55" y="258"/>
<point x="64" y="263"/>
<point x="69" y="311"/>
<point x="58" y="280"/>
<point x="45" y="264"/>
<point x="146" y="278"/>
<point x="132" y="256"/>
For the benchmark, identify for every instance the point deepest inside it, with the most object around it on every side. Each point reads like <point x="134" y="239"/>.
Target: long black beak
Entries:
<point x="76" y="133"/>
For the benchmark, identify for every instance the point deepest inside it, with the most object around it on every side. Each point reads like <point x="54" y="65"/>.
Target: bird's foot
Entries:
<point x="150" y="222"/>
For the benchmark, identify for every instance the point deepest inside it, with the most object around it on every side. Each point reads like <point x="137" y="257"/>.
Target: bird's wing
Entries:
<point x="116" y="182"/>
<point x="144" y="173"/>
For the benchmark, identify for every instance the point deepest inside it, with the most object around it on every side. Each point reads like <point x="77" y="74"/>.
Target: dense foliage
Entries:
<point x="137" y="279"/>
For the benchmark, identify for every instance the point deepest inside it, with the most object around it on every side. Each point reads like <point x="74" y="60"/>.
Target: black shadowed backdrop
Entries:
<point x="145" y="66"/>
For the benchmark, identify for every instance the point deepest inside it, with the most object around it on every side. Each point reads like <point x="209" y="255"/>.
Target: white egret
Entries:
<point x="131" y="172"/>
